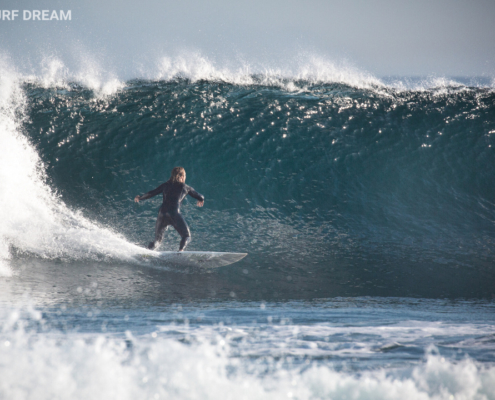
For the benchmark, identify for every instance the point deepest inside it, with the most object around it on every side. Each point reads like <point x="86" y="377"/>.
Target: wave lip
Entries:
<point x="292" y="74"/>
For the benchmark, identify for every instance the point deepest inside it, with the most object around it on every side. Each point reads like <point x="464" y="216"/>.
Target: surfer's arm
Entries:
<point x="197" y="196"/>
<point x="150" y="194"/>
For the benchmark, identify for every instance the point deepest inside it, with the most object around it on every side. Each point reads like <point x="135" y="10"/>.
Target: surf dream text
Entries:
<point x="36" y="15"/>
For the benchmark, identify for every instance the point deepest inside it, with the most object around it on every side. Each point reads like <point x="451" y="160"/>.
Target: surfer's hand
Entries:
<point x="200" y="203"/>
<point x="136" y="199"/>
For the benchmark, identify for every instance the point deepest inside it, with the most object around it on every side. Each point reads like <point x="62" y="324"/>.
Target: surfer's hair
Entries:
<point x="177" y="173"/>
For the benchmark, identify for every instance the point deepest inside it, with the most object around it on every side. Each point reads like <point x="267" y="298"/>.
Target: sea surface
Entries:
<point x="366" y="207"/>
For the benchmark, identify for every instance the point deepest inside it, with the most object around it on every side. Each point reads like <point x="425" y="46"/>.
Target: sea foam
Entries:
<point x="34" y="218"/>
<point x="49" y="365"/>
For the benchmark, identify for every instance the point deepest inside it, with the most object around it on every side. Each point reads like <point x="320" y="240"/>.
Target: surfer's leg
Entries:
<point x="180" y="226"/>
<point x="184" y="242"/>
<point x="162" y="223"/>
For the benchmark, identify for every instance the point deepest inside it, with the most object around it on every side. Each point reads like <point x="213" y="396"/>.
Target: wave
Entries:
<point x="333" y="171"/>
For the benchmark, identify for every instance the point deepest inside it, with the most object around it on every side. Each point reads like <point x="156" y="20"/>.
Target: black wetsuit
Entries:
<point x="169" y="213"/>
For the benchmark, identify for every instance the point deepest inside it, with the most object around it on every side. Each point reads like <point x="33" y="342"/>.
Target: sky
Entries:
<point x="383" y="37"/>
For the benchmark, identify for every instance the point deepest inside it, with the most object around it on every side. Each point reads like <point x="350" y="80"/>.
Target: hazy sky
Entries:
<point x="383" y="37"/>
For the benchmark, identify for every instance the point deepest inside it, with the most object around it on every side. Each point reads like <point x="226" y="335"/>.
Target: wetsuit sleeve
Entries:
<point x="152" y="193"/>
<point x="191" y="192"/>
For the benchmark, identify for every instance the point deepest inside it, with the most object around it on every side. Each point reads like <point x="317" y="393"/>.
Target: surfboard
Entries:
<point x="202" y="259"/>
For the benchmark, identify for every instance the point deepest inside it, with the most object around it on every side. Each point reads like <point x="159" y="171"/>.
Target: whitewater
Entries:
<point x="366" y="207"/>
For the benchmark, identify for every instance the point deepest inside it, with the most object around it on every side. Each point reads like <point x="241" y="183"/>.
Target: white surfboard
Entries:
<point x="203" y="259"/>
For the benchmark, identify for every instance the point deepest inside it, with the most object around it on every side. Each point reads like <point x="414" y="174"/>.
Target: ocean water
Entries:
<point x="366" y="207"/>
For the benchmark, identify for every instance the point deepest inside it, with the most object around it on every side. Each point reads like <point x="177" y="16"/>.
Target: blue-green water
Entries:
<point x="347" y="191"/>
<point x="366" y="211"/>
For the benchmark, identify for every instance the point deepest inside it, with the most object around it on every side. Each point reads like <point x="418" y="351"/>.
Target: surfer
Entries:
<point x="174" y="191"/>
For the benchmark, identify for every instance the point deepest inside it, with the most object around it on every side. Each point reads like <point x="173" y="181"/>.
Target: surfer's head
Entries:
<point x="178" y="175"/>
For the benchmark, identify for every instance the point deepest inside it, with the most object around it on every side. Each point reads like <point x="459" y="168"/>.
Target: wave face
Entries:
<point x="331" y="188"/>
